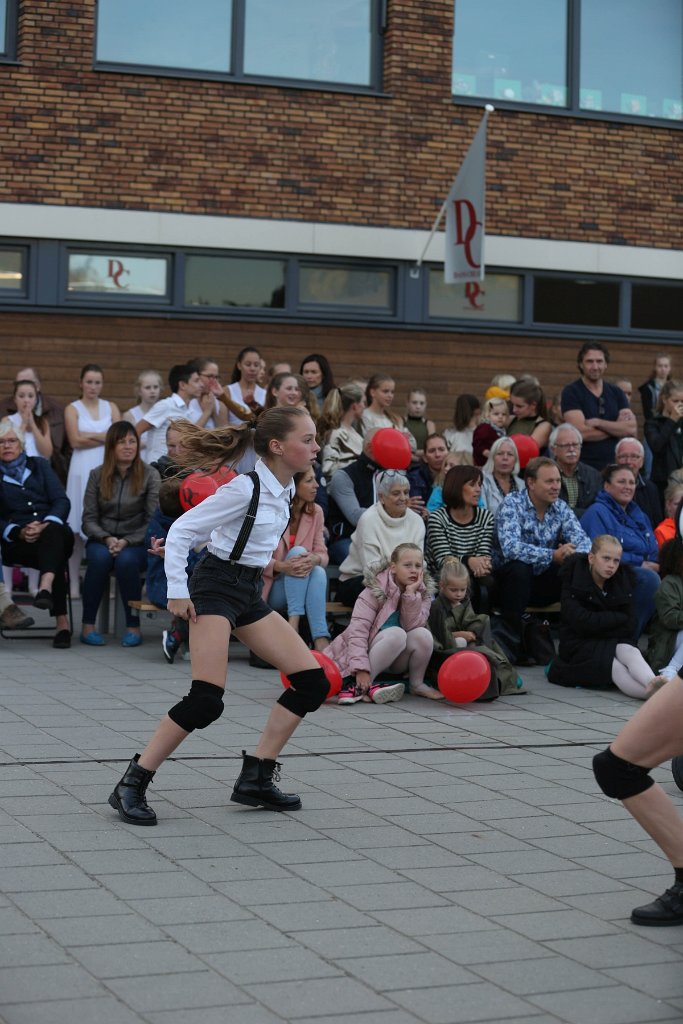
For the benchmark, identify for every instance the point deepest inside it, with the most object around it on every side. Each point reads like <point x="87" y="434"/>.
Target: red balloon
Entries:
<point x="464" y="676"/>
<point x="198" y="486"/>
<point x="526" y="448"/>
<point x="332" y="674"/>
<point x="390" y="449"/>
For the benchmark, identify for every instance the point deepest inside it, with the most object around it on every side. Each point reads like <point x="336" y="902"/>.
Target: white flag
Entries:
<point x="465" y="207"/>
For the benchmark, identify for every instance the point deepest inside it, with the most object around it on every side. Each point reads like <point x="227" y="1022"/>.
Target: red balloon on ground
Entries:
<point x="526" y="448"/>
<point x="390" y="449"/>
<point x="332" y="674"/>
<point x="198" y="486"/>
<point x="464" y="676"/>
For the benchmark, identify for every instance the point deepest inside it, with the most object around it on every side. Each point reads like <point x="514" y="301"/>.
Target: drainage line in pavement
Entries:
<point x="324" y="753"/>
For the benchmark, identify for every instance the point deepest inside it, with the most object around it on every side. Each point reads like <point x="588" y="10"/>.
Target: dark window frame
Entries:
<point x="573" y="85"/>
<point x="46" y="267"/>
<point x="378" y="20"/>
<point x="97" y="300"/>
<point x="8" y="45"/>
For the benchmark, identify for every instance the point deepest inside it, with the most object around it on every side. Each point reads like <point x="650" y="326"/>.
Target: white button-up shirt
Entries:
<point x="218" y="520"/>
<point x="159" y="416"/>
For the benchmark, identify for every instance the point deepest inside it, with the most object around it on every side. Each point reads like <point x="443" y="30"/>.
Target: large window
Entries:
<point x="331" y="41"/>
<point x="618" y="57"/>
<point x="581" y="301"/>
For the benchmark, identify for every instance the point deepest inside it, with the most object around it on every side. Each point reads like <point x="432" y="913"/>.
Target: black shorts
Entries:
<point x="218" y="587"/>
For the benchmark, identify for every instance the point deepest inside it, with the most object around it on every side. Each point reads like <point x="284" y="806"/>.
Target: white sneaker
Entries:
<point x="383" y="694"/>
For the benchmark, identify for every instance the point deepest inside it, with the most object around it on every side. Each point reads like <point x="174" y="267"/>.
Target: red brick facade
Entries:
<point x="76" y="136"/>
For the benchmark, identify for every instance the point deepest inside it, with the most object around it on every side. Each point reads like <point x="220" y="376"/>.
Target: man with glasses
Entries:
<point x="599" y="410"/>
<point x="580" y="484"/>
<point x="630" y="452"/>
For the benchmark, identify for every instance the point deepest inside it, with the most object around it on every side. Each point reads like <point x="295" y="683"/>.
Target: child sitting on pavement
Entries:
<point x="387" y="632"/>
<point x="454" y="625"/>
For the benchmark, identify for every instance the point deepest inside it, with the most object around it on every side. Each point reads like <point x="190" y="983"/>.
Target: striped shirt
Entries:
<point x="446" y="537"/>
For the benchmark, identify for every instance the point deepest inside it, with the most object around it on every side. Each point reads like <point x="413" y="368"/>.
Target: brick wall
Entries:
<point x="442" y="362"/>
<point x="74" y="136"/>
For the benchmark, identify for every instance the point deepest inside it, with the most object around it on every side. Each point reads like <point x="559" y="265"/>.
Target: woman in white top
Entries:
<point x="86" y="421"/>
<point x="244" y="391"/>
<point x="466" y="416"/>
<point x="337" y="428"/>
<point x="38" y="441"/>
<point x="148" y="392"/>
<point x="211" y="399"/>
<point x="224" y="596"/>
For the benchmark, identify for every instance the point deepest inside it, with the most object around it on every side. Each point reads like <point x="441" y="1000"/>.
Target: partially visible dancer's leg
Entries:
<point x="652" y="736"/>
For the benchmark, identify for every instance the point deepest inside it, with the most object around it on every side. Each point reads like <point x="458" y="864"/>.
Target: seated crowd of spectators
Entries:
<point x="583" y="522"/>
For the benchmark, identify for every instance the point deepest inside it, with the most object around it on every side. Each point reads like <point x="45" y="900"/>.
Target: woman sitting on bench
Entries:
<point x="295" y="580"/>
<point x="120" y="498"/>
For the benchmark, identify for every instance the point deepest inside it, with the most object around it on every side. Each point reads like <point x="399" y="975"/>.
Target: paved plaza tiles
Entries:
<point x="450" y="864"/>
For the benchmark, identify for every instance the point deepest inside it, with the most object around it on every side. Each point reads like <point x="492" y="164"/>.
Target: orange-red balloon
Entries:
<point x="526" y="448"/>
<point x="464" y="676"/>
<point x="198" y="486"/>
<point x="332" y="674"/>
<point x="390" y="449"/>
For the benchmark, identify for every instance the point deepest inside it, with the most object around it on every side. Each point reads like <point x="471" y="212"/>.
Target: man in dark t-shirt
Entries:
<point x="599" y="410"/>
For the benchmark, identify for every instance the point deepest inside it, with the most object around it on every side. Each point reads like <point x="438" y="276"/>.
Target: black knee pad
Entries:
<point x="308" y="691"/>
<point x="199" y="708"/>
<point x="618" y="778"/>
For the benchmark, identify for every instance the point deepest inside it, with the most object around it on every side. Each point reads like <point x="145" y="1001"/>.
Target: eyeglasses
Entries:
<point x="9" y="441"/>
<point x="573" y="447"/>
<point x="389" y="474"/>
<point x="211" y="376"/>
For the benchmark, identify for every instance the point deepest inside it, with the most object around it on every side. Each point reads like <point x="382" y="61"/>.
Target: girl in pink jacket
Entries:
<point x="387" y="632"/>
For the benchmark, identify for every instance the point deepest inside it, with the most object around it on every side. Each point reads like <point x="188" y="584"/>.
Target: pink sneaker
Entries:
<point x="349" y="694"/>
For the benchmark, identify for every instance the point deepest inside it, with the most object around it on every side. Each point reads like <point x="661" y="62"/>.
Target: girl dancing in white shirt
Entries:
<point x="242" y="522"/>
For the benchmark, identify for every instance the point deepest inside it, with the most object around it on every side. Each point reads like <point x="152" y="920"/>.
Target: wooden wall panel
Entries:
<point x="444" y="362"/>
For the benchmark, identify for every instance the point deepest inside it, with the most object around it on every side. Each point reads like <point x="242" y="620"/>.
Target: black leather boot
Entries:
<point x="128" y="797"/>
<point x="255" y="788"/>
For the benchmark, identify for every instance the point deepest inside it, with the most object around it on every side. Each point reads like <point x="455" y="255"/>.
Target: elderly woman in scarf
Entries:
<point x="33" y="531"/>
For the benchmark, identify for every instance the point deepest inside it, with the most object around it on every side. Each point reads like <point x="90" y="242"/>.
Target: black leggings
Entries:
<point x="50" y="553"/>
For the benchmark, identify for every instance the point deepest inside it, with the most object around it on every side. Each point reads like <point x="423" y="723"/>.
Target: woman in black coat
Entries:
<point x="33" y="512"/>
<point x="597" y="621"/>
<point x="664" y="434"/>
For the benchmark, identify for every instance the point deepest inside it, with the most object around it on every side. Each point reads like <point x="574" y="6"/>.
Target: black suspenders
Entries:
<point x="249" y="518"/>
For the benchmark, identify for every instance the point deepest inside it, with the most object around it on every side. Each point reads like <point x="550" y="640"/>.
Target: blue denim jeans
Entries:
<point x="126" y="566"/>
<point x="302" y="595"/>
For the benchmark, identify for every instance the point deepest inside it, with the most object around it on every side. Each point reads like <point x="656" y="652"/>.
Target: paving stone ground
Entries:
<point x="450" y="864"/>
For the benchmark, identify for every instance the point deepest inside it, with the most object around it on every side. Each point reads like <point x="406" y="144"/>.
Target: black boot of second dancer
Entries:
<point x="255" y="788"/>
<point x="128" y="797"/>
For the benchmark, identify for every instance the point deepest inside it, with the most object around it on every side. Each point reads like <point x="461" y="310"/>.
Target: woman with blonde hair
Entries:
<point x="337" y="427"/>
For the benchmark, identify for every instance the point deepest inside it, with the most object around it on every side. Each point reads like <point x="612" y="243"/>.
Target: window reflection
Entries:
<point x="234" y="281"/>
<point x="657" y="307"/>
<point x="120" y="274"/>
<point x="343" y="286"/>
<point x="165" y="33"/>
<point x="582" y="302"/>
<point x="11" y="271"/>
<point x="309" y="39"/>
<point x="498" y="297"/>
<point x="640" y="72"/>
<point x="511" y="50"/>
